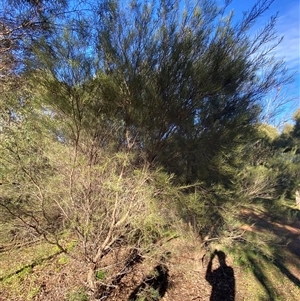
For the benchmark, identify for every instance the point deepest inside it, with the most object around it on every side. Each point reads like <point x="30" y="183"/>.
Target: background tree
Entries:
<point x="286" y="159"/>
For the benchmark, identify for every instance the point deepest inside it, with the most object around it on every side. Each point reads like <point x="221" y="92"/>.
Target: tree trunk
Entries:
<point x="91" y="277"/>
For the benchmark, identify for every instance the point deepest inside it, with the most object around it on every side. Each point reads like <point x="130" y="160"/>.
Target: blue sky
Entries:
<point x="288" y="26"/>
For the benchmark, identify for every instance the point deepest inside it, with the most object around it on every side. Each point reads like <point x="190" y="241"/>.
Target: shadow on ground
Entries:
<point x="153" y="287"/>
<point x="221" y="279"/>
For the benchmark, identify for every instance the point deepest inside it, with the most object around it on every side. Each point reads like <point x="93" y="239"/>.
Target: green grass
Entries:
<point x="16" y="259"/>
<point x="77" y="294"/>
<point x="272" y="268"/>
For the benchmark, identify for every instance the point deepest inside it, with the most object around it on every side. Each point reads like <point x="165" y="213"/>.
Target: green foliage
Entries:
<point x="71" y="245"/>
<point x="286" y="162"/>
<point x="101" y="275"/>
<point x="63" y="260"/>
<point x="78" y="294"/>
<point x="269" y="131"/>
<point x="33" y="293"/>
<point x="287" y="129"/>
<point x="256" y="182"/>
<point x="149" y="294"/>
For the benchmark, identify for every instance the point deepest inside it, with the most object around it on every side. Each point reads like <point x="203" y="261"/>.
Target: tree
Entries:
<point x="186" y="86"/>
<point x="286" y="159"/>
<point x="185" y="82"/>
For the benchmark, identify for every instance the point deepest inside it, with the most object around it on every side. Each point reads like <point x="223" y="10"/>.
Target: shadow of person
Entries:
<point x="222" y="279"/>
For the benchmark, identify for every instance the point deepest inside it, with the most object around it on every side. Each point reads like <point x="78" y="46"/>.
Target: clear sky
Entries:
<point x="288" y="26"/>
